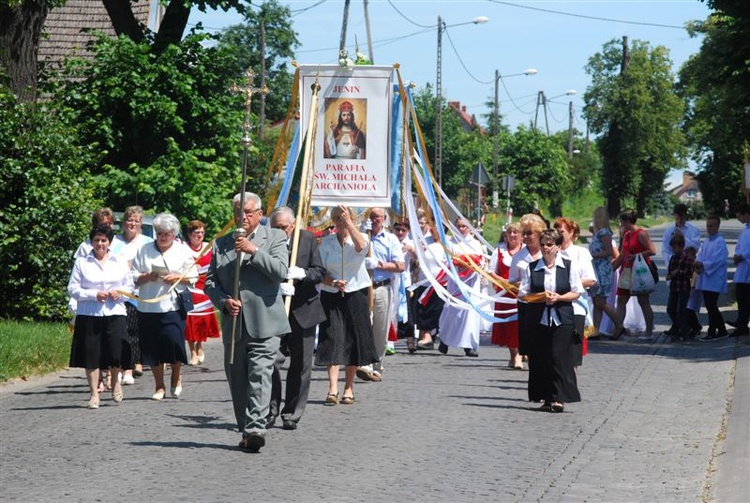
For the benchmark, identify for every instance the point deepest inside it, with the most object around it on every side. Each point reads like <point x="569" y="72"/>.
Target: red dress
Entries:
<point x="504" y="334"/>
<point x="201" y="322"/>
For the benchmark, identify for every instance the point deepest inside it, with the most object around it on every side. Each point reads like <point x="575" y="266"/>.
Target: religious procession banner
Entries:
<point x="351" y="155"/>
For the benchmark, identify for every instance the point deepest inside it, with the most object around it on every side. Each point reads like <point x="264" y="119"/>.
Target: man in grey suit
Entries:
<point x="306" y="312"/>
<point x="259" y="313"/>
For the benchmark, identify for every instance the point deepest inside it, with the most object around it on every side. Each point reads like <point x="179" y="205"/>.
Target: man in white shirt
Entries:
<point x="741" y="259"/>
<point x="386" y="261"/>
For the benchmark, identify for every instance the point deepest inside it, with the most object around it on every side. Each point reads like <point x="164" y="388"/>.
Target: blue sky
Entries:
<point x="517" y="36"/>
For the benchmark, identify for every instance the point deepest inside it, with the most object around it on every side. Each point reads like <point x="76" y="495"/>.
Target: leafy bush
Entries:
<point x="45" y="209"/>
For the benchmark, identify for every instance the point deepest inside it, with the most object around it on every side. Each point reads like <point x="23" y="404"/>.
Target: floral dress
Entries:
<point x="602" y="265"/>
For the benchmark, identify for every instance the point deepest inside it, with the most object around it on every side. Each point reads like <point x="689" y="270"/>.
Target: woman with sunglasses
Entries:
<point x="549" y="317"/>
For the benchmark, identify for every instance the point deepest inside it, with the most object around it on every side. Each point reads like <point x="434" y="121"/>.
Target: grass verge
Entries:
<point x="31" y="348"/>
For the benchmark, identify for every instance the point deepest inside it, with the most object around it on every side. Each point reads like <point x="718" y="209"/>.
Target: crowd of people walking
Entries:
<point x="337" y="300"/>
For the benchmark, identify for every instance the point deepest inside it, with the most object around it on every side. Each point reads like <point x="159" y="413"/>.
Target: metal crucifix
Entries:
<point x="248" y="91"/>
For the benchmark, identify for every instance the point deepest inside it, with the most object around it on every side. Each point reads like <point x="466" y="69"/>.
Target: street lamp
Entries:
<point x="496" y="127"/>
<point x="439" y="90"/>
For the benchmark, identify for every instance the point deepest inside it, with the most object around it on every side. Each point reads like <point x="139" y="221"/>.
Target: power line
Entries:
<point x="582" y="16"/>
<point x="455" y="51"/>
<point x="407" y="18"/>
<point x="305" y="9"/>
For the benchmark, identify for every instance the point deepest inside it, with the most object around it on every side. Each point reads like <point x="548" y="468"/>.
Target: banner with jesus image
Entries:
<point x="351" y="155"/>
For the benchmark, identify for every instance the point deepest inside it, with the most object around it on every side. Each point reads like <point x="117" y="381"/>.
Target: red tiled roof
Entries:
<point x="66" y="29"/>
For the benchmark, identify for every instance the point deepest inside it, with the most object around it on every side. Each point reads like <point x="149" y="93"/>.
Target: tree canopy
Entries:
<point x="716" y="84"/>
<point x="632" y="103"/>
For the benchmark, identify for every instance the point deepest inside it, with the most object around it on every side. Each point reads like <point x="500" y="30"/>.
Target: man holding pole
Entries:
<point x="252" y="323"/>
<point x="306" y="312"/>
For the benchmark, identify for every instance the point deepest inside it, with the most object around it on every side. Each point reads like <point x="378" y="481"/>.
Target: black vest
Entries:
<point x="562" y="286"/>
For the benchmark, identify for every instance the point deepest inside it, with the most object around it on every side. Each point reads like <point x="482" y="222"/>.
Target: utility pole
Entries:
<point x="570" y="130"/>
<point x="541" y="100"/>
<point x="262" y="114"/>
<point x="439" y="106"/>
<point x="369" y="33"/>
<point x="496" y="130"/>
<point x="342" y="42"/>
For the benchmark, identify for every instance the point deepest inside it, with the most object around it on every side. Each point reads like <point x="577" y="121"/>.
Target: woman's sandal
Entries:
<point x="347" y="400"/>
<point x="558" y="407"/>
<point x="332" y="399"/>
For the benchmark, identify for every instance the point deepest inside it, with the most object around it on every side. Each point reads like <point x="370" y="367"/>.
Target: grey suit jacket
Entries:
<point x="263" y="313"/>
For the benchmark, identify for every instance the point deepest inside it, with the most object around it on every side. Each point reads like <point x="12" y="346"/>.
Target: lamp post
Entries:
<point x="439" y="90"/>
<point x="496" y="128"/>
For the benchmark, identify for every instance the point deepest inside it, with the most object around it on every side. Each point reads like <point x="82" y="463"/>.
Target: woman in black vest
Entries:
<point x="549" y="320"/>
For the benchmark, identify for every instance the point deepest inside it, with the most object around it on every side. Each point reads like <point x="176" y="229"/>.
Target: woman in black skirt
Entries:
<point x="549" y="320"/>
<point x="346" y="335"/>
<point x="100" y="337"/>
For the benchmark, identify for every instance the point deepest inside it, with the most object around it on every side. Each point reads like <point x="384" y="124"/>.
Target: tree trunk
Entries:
<point x="123" y="20"/>
<point x="172" y="25"/>
<point x="19" y="38"/>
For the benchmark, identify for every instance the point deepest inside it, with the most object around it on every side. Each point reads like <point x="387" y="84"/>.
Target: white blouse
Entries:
<point x="89" y="276"/>
<point x="352" y="269"/>
<point x="177" y="259"/>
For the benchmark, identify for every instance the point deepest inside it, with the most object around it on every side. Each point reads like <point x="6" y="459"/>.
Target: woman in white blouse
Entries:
<point x="160" y="266"/>
<point x="346" y="336"/>
<point x="552" y="378"/>
<point x="100" y="337"/>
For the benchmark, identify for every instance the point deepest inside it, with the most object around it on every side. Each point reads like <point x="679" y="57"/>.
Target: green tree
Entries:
<point x="280" y="40"/>
<point x="169" y="132"/>
<point x="539" y="165"/>
<point x="633" y="105"/>
<point x="716" y="84"/>
<point x="45" y="209"/>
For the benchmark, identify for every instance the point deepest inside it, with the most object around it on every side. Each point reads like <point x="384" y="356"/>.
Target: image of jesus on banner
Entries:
<point x="346" y="136"/>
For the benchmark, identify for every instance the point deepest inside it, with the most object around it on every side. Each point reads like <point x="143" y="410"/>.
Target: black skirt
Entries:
<point x="427" y="317"/>
<point x="345" y="337"/>
<point x="162" y="338"/>
<point x="552" y="377"/>
<point x="100" y="342"/>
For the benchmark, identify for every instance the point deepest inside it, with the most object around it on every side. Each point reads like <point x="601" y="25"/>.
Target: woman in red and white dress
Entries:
<point x="506" y="333"/>
<point x="201" y="321"/>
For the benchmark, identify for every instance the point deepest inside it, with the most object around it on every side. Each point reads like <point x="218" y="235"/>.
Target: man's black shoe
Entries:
<point x="289" y="424"/>
<point x="270" y="421"/>
<point x="253" y="442"/>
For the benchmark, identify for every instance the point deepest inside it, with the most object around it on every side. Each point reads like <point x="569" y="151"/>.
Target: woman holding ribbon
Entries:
<point x="100" y="336"/>
<point x="164" y="268"/>
<point x="459" y="328"/>
<point x="201" y="322"/>
<point x="550" y="285"/>
<point x="506" y="333"/>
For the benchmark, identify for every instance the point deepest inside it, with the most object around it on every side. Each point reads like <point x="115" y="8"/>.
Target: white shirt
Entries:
<point x="434" y="256"/>
<point x="692" y="239"/>
<point x="713" y="255"/>
<point x="520" y="263"/>
<point x="353" y="269"/>
<point x="550" y="284"/>
<point x="129" y="250"/>
<point x="386" y="248"/>
<point x="89" y="276"/>
<point x="177" y="259"/>
<point x="742" y="273"/>
<point x="582" y="261"/>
